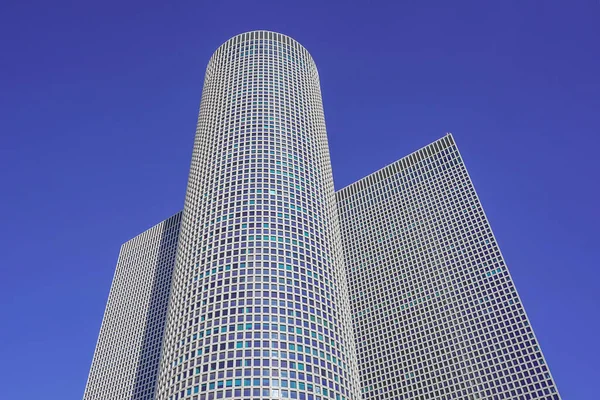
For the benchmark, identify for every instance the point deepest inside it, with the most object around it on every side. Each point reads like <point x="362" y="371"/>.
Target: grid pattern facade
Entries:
<point x="125" y="363"/>
<point x="436" y="313"/>
<point x="259" y="304"/>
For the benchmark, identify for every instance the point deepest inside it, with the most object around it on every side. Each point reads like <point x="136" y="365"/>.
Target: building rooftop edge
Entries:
<point x="342" y="192"/>
<point x="176" y="215"/>
<point x="260" y="31"/>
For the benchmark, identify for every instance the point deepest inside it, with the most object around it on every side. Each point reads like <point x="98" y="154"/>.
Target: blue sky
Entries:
<point x="98" y="106"/>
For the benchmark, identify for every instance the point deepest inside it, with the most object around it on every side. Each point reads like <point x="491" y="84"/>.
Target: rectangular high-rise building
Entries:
<point x="436" y="314"/>
<point x="127" y="355"/>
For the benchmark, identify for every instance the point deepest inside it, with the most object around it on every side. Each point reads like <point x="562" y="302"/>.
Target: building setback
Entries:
<point x="436" y="314"/>
<point x="127" y="355"/>
<point x="277" y="287"/>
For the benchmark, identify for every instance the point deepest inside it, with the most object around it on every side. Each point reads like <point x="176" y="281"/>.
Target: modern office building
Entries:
<point x="259" y="303"/>
<point x="279" y="288"/>
<point x="436" y="314"/>
<point x="125" y="364"/>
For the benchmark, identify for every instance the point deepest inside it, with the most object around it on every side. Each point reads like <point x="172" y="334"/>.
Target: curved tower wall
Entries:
<point x="259" y="303"/>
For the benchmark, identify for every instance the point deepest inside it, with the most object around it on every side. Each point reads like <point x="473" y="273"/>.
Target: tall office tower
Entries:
<point x="436" y="313"/>
<point x="259" y="305"/>
<point x="125" y="364"/>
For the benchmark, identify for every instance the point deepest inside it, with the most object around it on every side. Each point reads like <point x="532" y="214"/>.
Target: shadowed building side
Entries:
<point x="125" y="363"/>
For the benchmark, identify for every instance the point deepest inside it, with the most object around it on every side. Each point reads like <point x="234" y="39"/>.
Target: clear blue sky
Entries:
<point x="98" y="106"/>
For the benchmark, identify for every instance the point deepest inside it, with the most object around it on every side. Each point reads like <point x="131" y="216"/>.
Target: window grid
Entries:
<point x="245" y="294"/>
<point x="436" y="314"/>
<point x="259" y="305"/>
<point x="125" y="363"/>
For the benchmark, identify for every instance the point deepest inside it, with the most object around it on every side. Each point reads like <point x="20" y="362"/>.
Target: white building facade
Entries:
<point x="269" y="285"/>
<point x="125" y="363"/>
<point x="436" y="314"/>
<point x="259" y="304"/>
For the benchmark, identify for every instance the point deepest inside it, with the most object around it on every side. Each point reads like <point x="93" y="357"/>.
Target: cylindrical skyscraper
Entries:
<point x="259" y="305"/>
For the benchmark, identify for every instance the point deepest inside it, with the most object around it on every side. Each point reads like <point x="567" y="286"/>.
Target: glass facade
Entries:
<point x="259" y="305"/>
<point x="125" y="364"/>
<point x="436" y="313"/>
<point x="269" y="285"/>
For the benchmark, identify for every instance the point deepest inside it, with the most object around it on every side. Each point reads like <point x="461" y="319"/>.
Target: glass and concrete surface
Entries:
<point x="125" y="364"/>
<point x="436" y="313"/>
<point x="259" y="303"/>
<point x="269" y="285"/>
